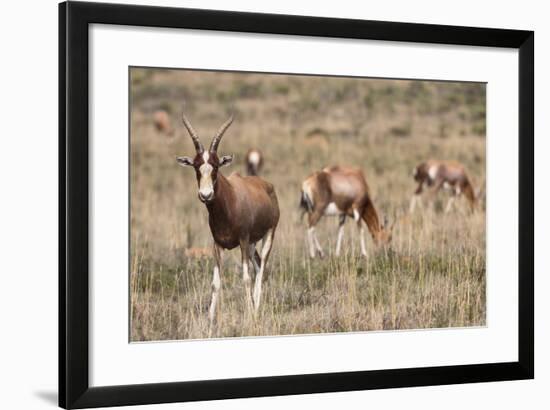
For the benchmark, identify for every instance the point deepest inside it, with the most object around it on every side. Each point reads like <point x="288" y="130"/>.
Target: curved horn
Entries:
<point x="217" y="138"/>
<point x="193" y="134"/>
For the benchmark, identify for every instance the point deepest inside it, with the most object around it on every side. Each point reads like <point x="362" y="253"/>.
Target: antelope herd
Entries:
<point x="242" y="210"/>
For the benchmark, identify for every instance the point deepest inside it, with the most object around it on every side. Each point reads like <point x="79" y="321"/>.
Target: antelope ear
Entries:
<point x="185" y="161"/>
<point x="226" y="160"/>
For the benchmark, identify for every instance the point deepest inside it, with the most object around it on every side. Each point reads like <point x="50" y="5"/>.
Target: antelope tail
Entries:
<point x="306" y="203"/>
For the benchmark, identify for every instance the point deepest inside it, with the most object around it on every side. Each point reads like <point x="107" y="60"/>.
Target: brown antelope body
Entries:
<point x="254" y="161"/>
<point x="343" y="192"/>
<point x="447" y="175"/>
<point x="162" y="122"/>
<point x="241" y="212"/>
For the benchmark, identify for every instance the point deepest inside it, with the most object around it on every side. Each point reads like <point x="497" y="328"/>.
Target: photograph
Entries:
<point x="278" y="204"/>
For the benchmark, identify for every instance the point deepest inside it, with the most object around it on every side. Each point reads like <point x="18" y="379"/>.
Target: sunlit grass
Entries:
<point x="433" y="275"/>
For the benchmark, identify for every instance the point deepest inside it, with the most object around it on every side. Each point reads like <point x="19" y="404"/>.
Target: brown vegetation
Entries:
<point x="433" y="275"/>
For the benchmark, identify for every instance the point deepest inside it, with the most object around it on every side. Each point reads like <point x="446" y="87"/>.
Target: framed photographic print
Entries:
<point x="255" y="204"/>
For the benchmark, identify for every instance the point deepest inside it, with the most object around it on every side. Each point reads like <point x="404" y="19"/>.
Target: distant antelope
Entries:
<point x="241" y="211"/>
<point x="449" y="175"/>
<point x="254" y="161"/>
<point x="162" y="122"/>
<point x="341" y="191"/>
<point x="198" y="253"/>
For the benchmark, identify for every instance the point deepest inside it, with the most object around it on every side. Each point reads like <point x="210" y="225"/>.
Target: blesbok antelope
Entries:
<point x="162" y="122"/>
<point x="254" y="161"/>
<point x="341" y="191"/>
<point x="241" y="211"/>
<point x="449" y="175"/>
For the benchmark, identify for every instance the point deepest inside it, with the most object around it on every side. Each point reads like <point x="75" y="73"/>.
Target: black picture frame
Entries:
<point x="74" y="388"/>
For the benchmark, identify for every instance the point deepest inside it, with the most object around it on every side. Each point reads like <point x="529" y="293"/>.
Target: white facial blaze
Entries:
<point x="206" y="186"/>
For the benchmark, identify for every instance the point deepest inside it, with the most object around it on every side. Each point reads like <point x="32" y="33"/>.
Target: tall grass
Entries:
<point x="433" y="275"/>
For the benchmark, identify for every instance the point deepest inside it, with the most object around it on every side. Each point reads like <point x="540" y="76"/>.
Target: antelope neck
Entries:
<point x="219" y="208"/>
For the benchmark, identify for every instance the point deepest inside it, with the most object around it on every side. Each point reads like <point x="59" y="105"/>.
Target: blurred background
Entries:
<point x="432" y="276"/>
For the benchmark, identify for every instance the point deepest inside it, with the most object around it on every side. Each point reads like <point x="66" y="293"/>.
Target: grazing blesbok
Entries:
<point x="254" y="161"/>
<point x="449" y="175"/>
<point x="341" y="191"/>
<point x="241" y="212"/>
<point x="162" y="122"/>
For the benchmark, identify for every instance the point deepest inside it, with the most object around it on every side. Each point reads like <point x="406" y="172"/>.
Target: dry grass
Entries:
<point x="432" y="276"/>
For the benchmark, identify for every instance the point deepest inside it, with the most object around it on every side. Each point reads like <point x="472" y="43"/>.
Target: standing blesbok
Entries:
<point x="162" y="122"/>
<point x="241" y="211"/>
<point x="341" y="191"/>
<point x="449" y="175"/>
<point x="254" y="161"/>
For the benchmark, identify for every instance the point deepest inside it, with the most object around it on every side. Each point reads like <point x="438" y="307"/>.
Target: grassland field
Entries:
<point x="432" y="276"/>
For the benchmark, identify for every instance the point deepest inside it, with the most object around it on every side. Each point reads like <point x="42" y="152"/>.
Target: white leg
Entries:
<point x="318" y="245"/>
<point x="314" y="243"/>
<point x="267" y="243"/>
<point x="251" y="252"/>
<point x="362" y="238"/>
<point x="246" y="276"/>
<point x="357" y="219"/>
<point x="311" y="241"/>
<point x="216" y="282"/>
<point x="340" y="235"/>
